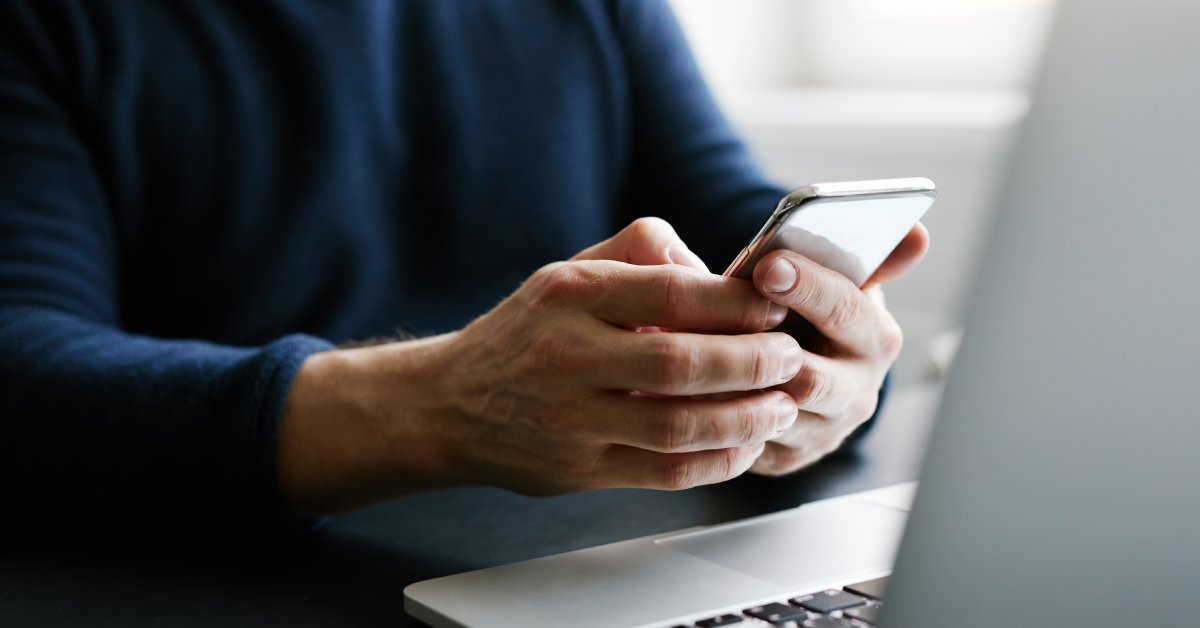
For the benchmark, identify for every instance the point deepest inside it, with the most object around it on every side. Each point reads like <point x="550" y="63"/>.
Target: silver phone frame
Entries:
<point x="743" y="265"/>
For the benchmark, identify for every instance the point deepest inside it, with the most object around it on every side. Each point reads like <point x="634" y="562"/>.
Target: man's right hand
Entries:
<point x="552" y="391"/>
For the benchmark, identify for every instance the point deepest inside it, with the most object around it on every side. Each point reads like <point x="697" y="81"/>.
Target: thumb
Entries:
<point x="904" y="258"/>
<point x="645" y="242"/>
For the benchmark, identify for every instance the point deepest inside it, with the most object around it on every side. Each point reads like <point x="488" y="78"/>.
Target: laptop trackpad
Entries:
<point x="797" y="547"/>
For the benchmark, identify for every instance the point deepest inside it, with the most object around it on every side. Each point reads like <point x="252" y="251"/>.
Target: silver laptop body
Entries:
<point x="1062" y="484"/>
<point x="680" y="577"/>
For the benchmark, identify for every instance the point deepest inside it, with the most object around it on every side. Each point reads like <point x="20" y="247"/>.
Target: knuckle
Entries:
<point x="808" y="291"/>
<point x="845" y="310"/>
<point x="827" y="446"/>
<point x="679" y="473"/>
<point x="551" y="270"/>
<point x="649" y="228"/>
<point x="729" y="463"/>
<point x="677" y="363"/>
<point x="755" y="314"/>
<point x="563" y="282"/>
<point x="678" y="429"/>
<point x="755" y="426"/>
<point x="745" y="428"/>
<point x="784" y="460"/>
<point x="810" y="387"/>
<point x="675" y="288"/>
<point x="762" y="368"/>
<point x="862" y="408"/>
<point x="891" y="340"/>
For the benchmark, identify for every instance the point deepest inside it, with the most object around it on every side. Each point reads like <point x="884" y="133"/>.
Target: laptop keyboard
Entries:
<point x="853" y="606"/>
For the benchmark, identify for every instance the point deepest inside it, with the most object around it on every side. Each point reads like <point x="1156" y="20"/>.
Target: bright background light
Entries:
<point x="829" y="90"/>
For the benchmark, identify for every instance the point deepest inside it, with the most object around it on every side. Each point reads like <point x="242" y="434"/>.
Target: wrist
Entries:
<point x="359" y="427"/>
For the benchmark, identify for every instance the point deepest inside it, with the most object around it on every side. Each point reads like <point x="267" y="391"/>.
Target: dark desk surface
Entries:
<point x="353" y="572"/>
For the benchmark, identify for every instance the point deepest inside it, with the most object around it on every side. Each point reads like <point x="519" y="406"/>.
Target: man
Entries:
<point x="198" y="199"/>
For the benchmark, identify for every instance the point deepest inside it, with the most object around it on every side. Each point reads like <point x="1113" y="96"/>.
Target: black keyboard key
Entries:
<point x="869" y="614"/>
<point x="723" y="620"/>
<point x="776" y="613"/>
<point x="828" y="622"/>
<point x="873" y="589"/>
<point x="828" y="601"/>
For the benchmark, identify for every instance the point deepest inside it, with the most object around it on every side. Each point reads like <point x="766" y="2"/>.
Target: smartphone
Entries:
<point x="850" y="227"/>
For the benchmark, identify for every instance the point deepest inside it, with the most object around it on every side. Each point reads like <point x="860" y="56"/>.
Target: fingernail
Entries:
<point x="776" y="315"/>
<point x="781" y="276"/>
<point x="786" y="416"/>
<point x="792" y="359"/>
<point x="683" y="256"/>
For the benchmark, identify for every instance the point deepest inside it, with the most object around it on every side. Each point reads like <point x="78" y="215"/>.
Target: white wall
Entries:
<point x="827" y="90"/>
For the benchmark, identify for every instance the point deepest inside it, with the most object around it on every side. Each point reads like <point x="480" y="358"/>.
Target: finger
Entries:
<point x="832" y="387"/>
<point x="778" y="459"/>
<point x="874" y="292"/>
<point x="695" y="364"/>
<point x="810" y="431"/>
<point x="663" y="296"/>
<point x="817" y="386"/>
<point x="639" y="468"/>
<point x="904" y="258"/>
<point x="832" y="303"/>
<point x="645" y="242"/>
<point x="811" y="438"/>
<point x="681" y="424"/>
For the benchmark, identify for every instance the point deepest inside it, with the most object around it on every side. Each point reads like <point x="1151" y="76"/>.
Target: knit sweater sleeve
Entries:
<point x="96" y="422"/>
<point x="690" y="166"/>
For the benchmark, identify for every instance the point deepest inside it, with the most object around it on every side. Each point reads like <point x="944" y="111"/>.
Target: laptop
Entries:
<point x="1061" y="485"/>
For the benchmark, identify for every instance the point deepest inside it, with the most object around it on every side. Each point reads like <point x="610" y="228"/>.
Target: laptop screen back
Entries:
<point x="1063" y="482"/>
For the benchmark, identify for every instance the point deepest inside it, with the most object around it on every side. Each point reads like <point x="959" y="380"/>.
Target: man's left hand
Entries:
<point x="854" y="342"/>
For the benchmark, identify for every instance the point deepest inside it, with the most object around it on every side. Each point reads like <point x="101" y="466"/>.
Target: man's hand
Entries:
<point x="852" y="342"/>
<point x="554" y="390"/>
<point x="647" y="242"/>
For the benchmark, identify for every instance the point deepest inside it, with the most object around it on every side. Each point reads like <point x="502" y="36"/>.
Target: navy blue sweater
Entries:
<point x="196" y="195"/>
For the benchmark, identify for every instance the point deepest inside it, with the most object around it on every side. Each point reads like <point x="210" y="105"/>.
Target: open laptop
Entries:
<point x="1062" y="483"/>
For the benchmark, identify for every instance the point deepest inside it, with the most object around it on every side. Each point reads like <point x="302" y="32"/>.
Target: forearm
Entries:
<point x="103" y="425"/>
<point x="359" y="427"/>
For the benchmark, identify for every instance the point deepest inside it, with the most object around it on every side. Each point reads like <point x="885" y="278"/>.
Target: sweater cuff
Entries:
<point x="279" y="363"/>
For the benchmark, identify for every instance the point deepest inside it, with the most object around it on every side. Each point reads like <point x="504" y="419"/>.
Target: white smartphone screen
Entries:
<point x="850" y="233"/>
